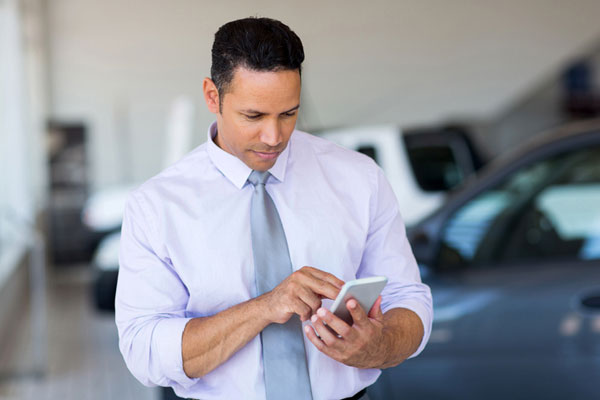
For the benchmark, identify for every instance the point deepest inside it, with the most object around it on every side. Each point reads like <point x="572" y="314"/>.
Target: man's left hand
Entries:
<point x="361" y="345"/>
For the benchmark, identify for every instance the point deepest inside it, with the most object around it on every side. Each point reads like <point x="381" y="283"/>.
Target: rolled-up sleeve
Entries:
<point x="388" y="253"/>
<point x="150" y="303"/>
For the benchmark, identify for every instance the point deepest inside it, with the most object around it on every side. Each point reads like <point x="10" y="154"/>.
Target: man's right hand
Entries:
<point x="300" y="293"/>
<point x="210" y="341"/>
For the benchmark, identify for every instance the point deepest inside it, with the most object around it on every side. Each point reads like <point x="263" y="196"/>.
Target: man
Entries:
<point x="228" y="252"/>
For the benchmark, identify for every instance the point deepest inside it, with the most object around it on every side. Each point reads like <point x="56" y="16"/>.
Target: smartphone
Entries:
<point x="365" y="291"/>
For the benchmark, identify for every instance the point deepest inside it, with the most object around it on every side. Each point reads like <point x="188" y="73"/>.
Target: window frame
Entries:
<point x="428" y="234"/>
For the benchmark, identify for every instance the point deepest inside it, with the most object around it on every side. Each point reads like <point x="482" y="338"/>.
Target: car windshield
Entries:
<point x="435" y="167"/>
<point x="550" y="209"/>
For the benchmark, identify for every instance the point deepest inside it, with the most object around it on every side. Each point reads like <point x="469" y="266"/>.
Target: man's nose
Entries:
<point x="271" y="134"/>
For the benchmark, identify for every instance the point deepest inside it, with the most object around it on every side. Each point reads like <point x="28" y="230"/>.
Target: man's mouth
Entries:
<point x="267" y="155"/>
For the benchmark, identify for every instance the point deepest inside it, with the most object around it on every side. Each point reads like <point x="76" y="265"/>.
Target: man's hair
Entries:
<point x="258" y="44"/>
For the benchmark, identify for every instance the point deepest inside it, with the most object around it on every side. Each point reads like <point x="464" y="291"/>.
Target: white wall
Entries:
<point x="117" y="64"/>
<point x="22" y="127"/>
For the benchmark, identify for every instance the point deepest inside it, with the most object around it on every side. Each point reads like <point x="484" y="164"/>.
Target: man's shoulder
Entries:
<point x="187" y="171"/>
<point x="330" y="153"/>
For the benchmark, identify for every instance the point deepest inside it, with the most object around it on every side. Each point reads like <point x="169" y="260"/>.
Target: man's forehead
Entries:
<point x="244" y="77"/>
<point x="242" y="70"/>
<point x="253" y="90"/>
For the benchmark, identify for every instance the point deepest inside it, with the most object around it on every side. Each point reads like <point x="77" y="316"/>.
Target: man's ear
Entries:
<point x="211" y="95"/>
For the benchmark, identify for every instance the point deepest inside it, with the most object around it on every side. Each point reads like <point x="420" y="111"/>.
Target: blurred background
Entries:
<point x="481" y="113"/>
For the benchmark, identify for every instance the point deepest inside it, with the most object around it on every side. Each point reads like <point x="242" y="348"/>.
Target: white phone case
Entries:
<point x="365" y="291"/>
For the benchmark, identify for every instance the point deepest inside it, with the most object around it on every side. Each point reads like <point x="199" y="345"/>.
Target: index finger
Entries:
<point x="322" y="283"/>
<point x="326" y="276"/>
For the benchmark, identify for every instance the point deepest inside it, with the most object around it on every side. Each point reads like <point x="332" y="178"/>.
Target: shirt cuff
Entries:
<point x="424" y="313"/>
<point x="166" y="341"/>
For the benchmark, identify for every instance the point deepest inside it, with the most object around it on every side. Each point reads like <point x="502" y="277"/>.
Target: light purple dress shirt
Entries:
<point x="186" y="252"/>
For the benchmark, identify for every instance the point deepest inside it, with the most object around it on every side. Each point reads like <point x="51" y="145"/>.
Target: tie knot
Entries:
<point x="258" y="177"/>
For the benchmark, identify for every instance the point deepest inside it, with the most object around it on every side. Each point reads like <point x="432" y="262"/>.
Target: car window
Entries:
<point x="370" y="151"/>
<point x="441" y="158"/>
<point x="435" y="167"/>
<point x="548" y="210"/>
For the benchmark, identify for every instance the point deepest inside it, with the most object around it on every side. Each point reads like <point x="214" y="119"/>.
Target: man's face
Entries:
<point x="258" y="115"/>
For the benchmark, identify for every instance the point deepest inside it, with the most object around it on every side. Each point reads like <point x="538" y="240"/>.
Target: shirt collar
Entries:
<point x="233" y="168"/>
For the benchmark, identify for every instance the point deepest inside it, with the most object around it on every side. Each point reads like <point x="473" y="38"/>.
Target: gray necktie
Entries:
<point x="284" y="358"/>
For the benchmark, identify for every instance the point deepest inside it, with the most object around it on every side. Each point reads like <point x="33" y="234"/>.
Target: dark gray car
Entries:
<point x="513" y="260"/>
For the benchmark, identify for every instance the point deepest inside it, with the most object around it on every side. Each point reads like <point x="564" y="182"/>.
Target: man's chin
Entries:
<point x="259" y="163"/>
<point x="262" y="166"/>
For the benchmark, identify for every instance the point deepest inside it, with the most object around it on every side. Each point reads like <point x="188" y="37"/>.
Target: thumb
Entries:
<point x="375" y="311"/>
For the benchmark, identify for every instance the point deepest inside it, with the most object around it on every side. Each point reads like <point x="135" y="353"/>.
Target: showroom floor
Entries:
<point x="83" y="356"/>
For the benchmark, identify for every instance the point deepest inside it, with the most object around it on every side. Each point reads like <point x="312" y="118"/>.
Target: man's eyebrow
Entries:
<point x="292" y="109"/>
<point x="251" y="111"/>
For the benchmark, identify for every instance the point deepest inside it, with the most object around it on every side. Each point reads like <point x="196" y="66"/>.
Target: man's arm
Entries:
<point x="210" y="341"/>
<point x="380" y="340"/>
<point x="159" y="343"/>
<point x="403" y="333"/>
<point x="375" y="340"/>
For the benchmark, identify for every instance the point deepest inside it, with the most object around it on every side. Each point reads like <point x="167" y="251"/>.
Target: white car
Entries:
<point x="421" y="164"/>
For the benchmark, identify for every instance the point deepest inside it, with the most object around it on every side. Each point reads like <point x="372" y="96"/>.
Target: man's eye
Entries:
<point x="252" y="117"/>
<point x="290" y="114"/>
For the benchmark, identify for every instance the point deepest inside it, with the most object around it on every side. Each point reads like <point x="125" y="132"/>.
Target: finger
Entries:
<point x="359" y="316"/>
<point x="325" y="276"/>
<point x="302" y="309"/>
<point x="336" y="324"/>
<point x="300" y="299"/>
<point x="310" y="299"/>
<point x="312" y="336"/>
<point x="321" y="287"/>
<point x="375" y="311"/>
<point x="328" y="336"/>
<point x="319" y="344"/>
